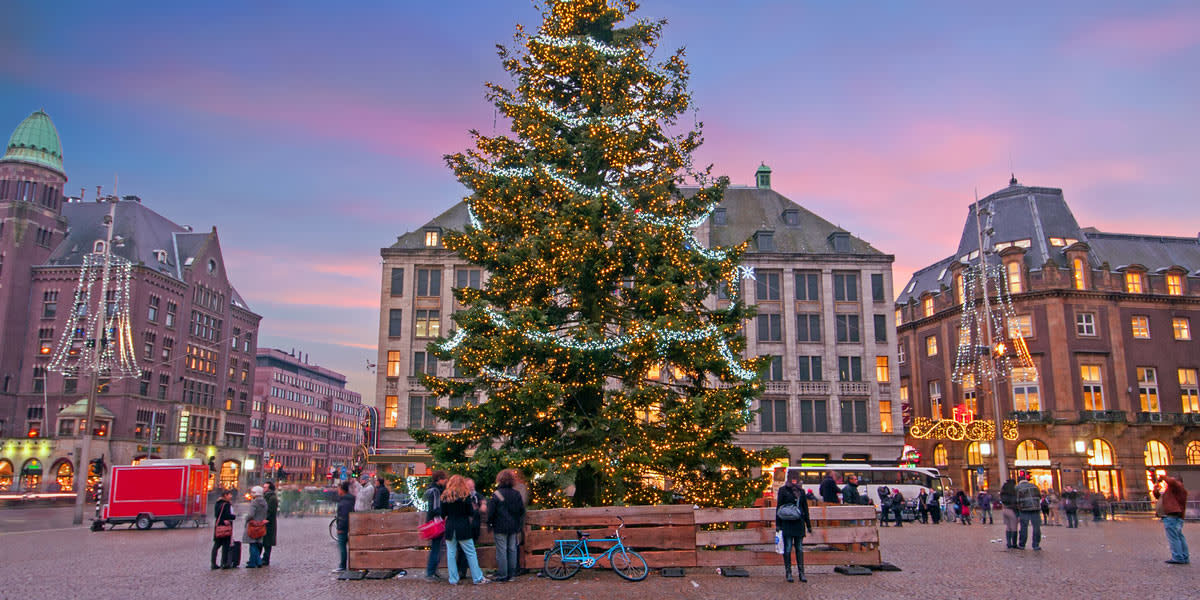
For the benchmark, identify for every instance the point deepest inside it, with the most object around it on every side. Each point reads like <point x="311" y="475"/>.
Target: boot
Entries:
<point x="800" y="568"/>
<point x="787" y="573"/>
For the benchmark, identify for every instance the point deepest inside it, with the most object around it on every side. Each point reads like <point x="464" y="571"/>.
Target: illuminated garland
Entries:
<point x="979" y="430"/>
<point x="598" y="46"/>
<point x="414" y="493"/>
<point x="974" y="358"/>
<point x="117" y="358"/>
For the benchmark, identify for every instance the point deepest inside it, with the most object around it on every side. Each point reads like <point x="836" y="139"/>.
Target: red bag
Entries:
<point x="223" y="530"/>
<point x="432" y="529"/>
<point x="256" y="529"/>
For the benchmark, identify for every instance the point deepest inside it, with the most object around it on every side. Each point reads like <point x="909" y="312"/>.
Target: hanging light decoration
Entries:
<point x="113" y="354"/>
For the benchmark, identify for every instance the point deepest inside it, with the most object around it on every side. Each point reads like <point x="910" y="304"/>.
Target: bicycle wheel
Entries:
<point x="333" y="528"/>
<point x="629" y="564"/>
<point x="556" y="567"/>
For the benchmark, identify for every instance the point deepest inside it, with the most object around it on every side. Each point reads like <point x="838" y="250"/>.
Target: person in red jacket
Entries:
<point x="1174" y="502"/>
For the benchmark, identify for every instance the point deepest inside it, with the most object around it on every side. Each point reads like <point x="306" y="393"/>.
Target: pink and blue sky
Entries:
<point x="311" y="133"/>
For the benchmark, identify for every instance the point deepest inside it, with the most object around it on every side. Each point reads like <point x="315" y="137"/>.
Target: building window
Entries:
<point x="1031" y="453"/>
<point x="49" y="304"/>
<point x="393" y="363"/>
<point x="931" y="348"/>
<point x="808" y="286"/>
<point x="849" y="368"/>
<point x="1101" y="454"/>
<point x="468" y="278"/>
<point x="1148" y="389"/>
<point x="429" y="323"/>
<point x="766" y="286"/>
<point x="1182" y="327"/>
<point x="940" y="458"/>
<point x="845" y="287"/>
<point x="391" y="411"/>
<point x="877" y="287"/>
<point x="420" y="412"/>
<point x="899" y="317"/>
<point x="935" y="399"/>
<point x="974" y="454"/>
<point x="885" y="416"/>
<point x="882" y="373"/>
<point x="1141" y="327"/>
<point x="927" y="306"/>
<point x="814" y="416"/>
<point x="901" y="355"/>
<point x="774" y="371"/>
<point x="395" y="322"/>
<point x="1133" y="282"/>
<point x="397" y="287"/>
<point x="770" y="328"/>
<point x="765" y="241"/>
<point x="1015" y="284"/>
<point x="152" y="311"/>
<point x="854" y="416"/>
<point x="1085" y="324"/>
<point x="847" y="328"/>
<point x="810" y="368"/>
<point x="718" y="216"/>
<point x="1020" y="326"/>
<point x="457" y="402"/>
<point x="1193" y="452"/>
<point x="773" y="415"/>
<point x="881" y="329"/>
<point x="429" y="282"/>
<point x="1025" y="390"/>
<point x="808" y="327"/>
<point x="432" y="238"/>
<point x="969" y="394"/>
<point x="1077" y="274"/>
<point x="1093" y="387"/>
<point x="424" y="363"/>
<point x="170" y="320"/>
<point x="1188" y="393"/>
<point x="1175" y="284"/>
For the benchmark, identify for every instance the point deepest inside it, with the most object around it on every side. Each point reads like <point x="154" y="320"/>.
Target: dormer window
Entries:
<point x="765" y="241"/>
<point x="98" y="247"/>
<point x="840" y="241"/>
<point x="1057" y="242"/>
<point x="161" y="256"/>
<point x="718" y="216"/>
<point x="791" y="216"/>
<point x="432" y="238"/>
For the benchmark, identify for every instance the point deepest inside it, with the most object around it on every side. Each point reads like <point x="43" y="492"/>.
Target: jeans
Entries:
<point x="343" y="538"/>
<point x="985" y="514"/>
<point x="897" y="511"/>
<point x="468" y="548"/>
<point x="1027" y="517"/>
<point x="1072" y="518"/>
<point x="255" y="556"/>
<point x="1175" y="539"/>
<point x="790" y="542"/>
<point x="507" y="559"/>
<point x="435" y="556"/>
<point x="266" y="557"/>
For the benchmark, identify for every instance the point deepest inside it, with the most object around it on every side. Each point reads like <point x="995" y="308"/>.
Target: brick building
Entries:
<point x="824" y="302"/>
<point x="1107" y="318"/>
<point x="304" y="420"/>
<point x="192" y="333"/>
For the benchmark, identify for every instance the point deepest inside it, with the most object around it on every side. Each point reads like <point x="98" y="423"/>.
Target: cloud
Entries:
<point x="1141" y="37"/>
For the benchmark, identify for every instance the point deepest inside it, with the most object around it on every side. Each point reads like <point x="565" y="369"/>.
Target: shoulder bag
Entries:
<point x="789" y="512"/>
<point x="256" y="529"/>
<point x="432" y="529"/>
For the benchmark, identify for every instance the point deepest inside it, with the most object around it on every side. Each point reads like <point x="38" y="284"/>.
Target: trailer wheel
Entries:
<point x="143" y="522"/>
<point x="172" y="523"/>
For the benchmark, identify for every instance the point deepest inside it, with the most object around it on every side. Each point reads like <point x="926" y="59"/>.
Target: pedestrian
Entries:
<point x="223" y="530"/>
<point x="1097" y="507"/>
<point x="962" y="507"/>
<point x="433" y="509"/>
<point x="1029" y="501"/>
<point x="935" y="507"/>
<point x="1008" y="499"/>
<point x="1070" y="500"/>
<point x="253" y="535"/>
<point x="898" y="507"/>
<point x="476" y="523"/>
<point x="345" y="506"/>
<point x="1045" y="506"/>
<point x="364" y="494"/>
<point x="923" y="506"/>
<point x="458" y="510"/>
<point x="812" y="498"/>
<point x="829" y="489"/>
<point x="269" y="540"/>
<point x="1171" y="502"/>
<point x="985" y="508"/>
<point x="505" y="519"/>
<point x="884" y="503"/>
<point x="383" y="497"/>
<point x="850" y="493"/>
<point x="791" y="521"/>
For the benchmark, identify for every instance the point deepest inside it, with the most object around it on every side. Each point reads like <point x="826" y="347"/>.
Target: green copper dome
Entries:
<point x="36" y="141"/>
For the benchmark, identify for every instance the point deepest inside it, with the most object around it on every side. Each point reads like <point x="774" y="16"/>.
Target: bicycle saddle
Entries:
<point x="583" y="535"/>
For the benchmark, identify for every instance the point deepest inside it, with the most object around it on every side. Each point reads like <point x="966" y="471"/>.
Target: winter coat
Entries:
<point x="382" y="498"/>
<point x="829" y="490"/>
<point x="258" y="512"/>
<point x="850" y="494"/>
<point x="1174" y="501"/>
<point x="433" y="502"/>
<point x="222" y="512"/>
<point x="272" y="517"/>
<point x="1029" y="497"/>
<point x="345" y="506"/>
<point x="459" y="515"/>
<point x="797" y="528"/>
<point x="1008" y="495"/>
<point x="364" y="497"/>
<point x="1070" y="501"/>
<point x="506" y="511"/>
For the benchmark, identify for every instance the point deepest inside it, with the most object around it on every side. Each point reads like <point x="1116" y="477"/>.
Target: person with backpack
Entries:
<point x="433" y="509"/>
<point x="1029" y="503"/>
<point x="505" y="518"/>
<point x="791" y="521"/>
<point x="884" y="503"/>
<point x="1008" y="499"/>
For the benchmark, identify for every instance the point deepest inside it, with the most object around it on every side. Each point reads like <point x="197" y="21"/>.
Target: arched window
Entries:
<point x="6" y="473"/>
<point x="1157" y="454"/>
<point x="940" y="458"/>
<point x="31" y="475"/>
<point x="1031" y="452"/>
<point x="229" y="475"/>
<point x="64" y="476"/>
<point x="1101" y="453"/>
<point x="974" y="454"/>
<point x="1193" y="457"/>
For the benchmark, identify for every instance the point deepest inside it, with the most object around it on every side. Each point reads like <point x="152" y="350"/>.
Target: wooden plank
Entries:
<point x="749" y="558"/>
<point x="831" y="535"/>
<point x="606" y="516"/>
<point x="831" y="512"/>
<point x="674" y="537"/>
<point x="411" y="559"/>
<point x="655" y="559"/>
<point x="366" y="523"/>
<point x="388" y="541"/>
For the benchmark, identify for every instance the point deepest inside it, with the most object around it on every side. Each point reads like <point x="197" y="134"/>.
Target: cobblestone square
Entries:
<point x="1113" y="559"/>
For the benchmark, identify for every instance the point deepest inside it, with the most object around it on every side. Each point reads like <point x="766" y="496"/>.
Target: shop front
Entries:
<point x="1102" y="475"/>
<point x="1033" y="458"/>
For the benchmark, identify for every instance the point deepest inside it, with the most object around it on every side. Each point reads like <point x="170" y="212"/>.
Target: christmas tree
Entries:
<point x="606" y="364"/>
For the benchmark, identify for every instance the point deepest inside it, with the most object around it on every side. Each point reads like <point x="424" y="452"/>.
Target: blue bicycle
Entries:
<point x="565" y="559"/>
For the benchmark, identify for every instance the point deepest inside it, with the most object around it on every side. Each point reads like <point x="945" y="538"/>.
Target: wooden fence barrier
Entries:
<point x="667" y="536"/>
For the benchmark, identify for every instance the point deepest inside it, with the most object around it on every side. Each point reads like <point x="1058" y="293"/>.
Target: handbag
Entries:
<point x="432" y="529"/>
<point x="789" y="512"/>
<point x="256" y="529"/>
<point x="223" y="530"/>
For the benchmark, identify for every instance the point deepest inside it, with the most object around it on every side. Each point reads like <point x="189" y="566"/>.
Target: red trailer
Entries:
<point x="167" y="490"/>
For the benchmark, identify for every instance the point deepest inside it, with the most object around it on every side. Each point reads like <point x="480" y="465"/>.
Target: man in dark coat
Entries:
<point x="345" y="506"/>
<point x="829" y="488"/>
<point x="433" y="508"/>
<point x="792" y="530"/>
<point x="850" y="493"/>
<point x="383" y="497"/>
<point x="272" y="518"/>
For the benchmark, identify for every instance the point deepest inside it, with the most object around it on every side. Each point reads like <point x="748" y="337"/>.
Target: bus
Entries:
<point x="909" y="480"/>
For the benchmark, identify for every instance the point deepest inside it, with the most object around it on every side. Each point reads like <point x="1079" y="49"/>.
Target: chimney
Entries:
<point x="762" y="177"/>
<point x="99" y="196"/>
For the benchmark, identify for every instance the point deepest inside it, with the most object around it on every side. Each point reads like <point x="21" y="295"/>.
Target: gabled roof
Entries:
<point x="1154" y="252"/>
<point x="455" y="218"/>
<point x="749" y="210"/>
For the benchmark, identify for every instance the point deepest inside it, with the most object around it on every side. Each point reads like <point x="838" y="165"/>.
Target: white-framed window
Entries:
<point x="901" y="356"/>
<point x="1025" y="390"/>
<point x="1091" y="377"/>
<point x="1174" y="284"/>
<point x="1141" y="327"/>
<point x="1015" y="284"/>
<point x="935" y="399"/>
<point x="1020" y="326"/>
<point x="931" y="346"/>
<point x="1182" y="327"/>
<point x="1085" y="324"/>
<point x="432" y="238"/>
<point x="1188" y="392"/>
<point x="1133" y="282"/>
<point x="1148" y="389"/>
